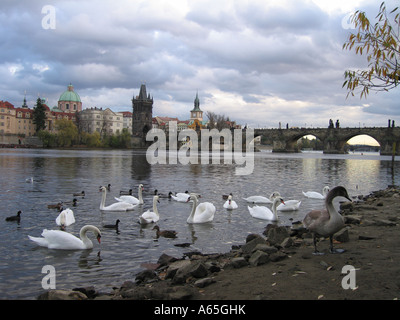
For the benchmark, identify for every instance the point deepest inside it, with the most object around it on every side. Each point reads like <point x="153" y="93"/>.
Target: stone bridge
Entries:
<point x="333" y="139"/>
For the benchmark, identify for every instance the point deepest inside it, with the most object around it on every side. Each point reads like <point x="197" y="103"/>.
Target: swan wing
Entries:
<point x="119" y="206"/>
<point x="313" y="195"/>
<point x="289" y="205"/>
<point x="148" y="217"/>
<point x="68" y="217"/>
<point x="128" y="199"/>
<point x="57" y="239"/>
<point x="263" y="213"/>
<point x="258" y="199"/>
<point x="205" y="212"/>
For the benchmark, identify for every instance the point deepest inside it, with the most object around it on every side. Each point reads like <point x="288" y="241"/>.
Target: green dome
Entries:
<point x="70" y="95"/>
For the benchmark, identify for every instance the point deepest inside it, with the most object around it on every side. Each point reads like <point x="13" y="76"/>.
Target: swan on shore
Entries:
<point x="118" y="206"/>
<point x="57" y="239"/>
<point x="317" y="195"/>
<point x="326" y="222"/>
<point x="150" y="216"/>
<point x="201" y="212"/>
<point x="131" y="199"/>
<point x="264" y="213"/>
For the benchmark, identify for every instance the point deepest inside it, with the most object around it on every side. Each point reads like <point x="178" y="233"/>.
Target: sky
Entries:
<point x="258" y="62"/>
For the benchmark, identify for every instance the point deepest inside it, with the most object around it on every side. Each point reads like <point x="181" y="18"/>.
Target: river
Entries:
<point x="57" y="174"/>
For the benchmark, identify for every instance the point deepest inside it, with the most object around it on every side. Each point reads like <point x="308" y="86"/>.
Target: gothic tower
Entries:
<point x="142" y="113"/>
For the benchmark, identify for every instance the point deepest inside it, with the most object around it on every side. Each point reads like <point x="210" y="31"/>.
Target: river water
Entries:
<point x="58" y="174"/>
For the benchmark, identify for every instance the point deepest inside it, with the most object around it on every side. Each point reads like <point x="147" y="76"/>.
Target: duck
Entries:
<point x="29" y="180"/>
<point x="118" y="206"/>
<point x="230" y="204"/>
<point x="165" y="233"/>
<point x="161" y="195"/>
<point x="131" y="199"/>
<point x="65" y="218"/>
<point x="126" y="193"/>
<point x="61" y="240"/>
<point x="328" y="221"/>
<point x="79" y="194"/>
<point x="265" y="213"/>
<point x="15" y="218"/>
<point x="201" y="212"/>
<point x="150" y="216"/>
<point x="317" y="195"/>
<point x="57" y="206"/>
<point x="261" y="199"/>
<point x="112" y="226"/>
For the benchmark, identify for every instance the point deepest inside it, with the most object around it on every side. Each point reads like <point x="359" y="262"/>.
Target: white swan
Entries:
<point x="289" y="205"/>
<point x="202" y="212"/>
<point x="181" y="197"/>
<point x="118" y="206"/>
<point x="230" y="204"/>
<point x="326" y="222"/>
<point x="132" y="199"/>
<point x="265" y="213"/>
<point x="261" y="199"/>
<point x="57" y="239"/>
<point x="150" y="216"/>
<point x="65" y="218"/>
<point x="317" y="195"/>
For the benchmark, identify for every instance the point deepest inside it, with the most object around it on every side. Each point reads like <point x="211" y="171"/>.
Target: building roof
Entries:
<point x="70" y="95"/>
<point x="196" y="103"/>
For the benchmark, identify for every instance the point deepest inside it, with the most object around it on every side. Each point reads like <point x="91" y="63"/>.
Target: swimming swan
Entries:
<point x="202" y="212"/>
<point x="181" y="197"/>
<point x="261" y="199"/>
<point x="317" y="195"/>
<point x="230" y="204"/>
<point x="57" y="239"/>
<point x="150" y="216"/>
<point x="265" y="213"/>
<point x="118" y="206"/>
<point x="327" y="222"/>
<point x="65" y="218"/>
<point x="131" y="199"/>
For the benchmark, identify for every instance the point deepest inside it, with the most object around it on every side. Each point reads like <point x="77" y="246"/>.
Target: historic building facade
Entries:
<point x="69" y="101"/>
<point x="142" y="117"/>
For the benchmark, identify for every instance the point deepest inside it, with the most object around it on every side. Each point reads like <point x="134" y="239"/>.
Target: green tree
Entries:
<point x="67" y="133"/>
<point x="48" y="139"/>
<point x="380" y="42"/>
<point x="39" y="115"/>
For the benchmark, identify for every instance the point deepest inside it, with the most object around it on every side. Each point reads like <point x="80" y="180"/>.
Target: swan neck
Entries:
<point x="193" y="207"/>
<point x="155" y="209"/>
<point x="86" y="241"/>
<point x="103" y="199"/>
<point x="140" y="194"/>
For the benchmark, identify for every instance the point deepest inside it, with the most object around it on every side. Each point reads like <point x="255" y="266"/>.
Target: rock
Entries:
<point x="346" y="205"/>
<point x="249" y="246"/>
<point x="146" y="275"/>
<point x="342" y="235"/>
<point x="384" y="223"/>
<point x="166" y="259"/>
<point x="287" y="243"/>
<point x="277" y="235"/>
<point x="174" y="266"/>
<point x="265" y="248"/>
<point x="204" y="282"/>
<point x="62" y="295"/>
<point x="195" y="269"/>
<point x="181" y="293"/>
<point x="238" y="262"/>
<point x="258" y="258"/>
<point x="352" y="219"/>
<point x="90" y="292"/>
<point x="252" y="236"/>
<point x="278" y="256"/>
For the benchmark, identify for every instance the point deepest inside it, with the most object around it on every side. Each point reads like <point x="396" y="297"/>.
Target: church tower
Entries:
<point x="142" y="113"/>
<point x="196" y="113"/>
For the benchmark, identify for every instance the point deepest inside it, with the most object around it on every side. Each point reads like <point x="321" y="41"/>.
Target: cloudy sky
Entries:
<point x="260" y="62"/>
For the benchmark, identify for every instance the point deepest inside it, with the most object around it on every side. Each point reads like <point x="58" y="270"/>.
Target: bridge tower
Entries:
<point x="142" y="113"/>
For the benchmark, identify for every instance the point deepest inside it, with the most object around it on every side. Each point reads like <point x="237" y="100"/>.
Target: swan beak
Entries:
<point x="283" y="202"/>
<point x="98" y="238"/>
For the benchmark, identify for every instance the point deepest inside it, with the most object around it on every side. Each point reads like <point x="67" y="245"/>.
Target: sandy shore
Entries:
<point x="288" y="270"/>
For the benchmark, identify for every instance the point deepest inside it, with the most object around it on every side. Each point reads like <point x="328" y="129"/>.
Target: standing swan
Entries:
<point x="265" y="213"/>
<point x="201" y="213"/>
<point x="317" y="195"/>
<point x="118" y="206"/>
<point x="326" y="222"/>
<point x="57" y="239"/>
<point x="150" y="216"/>
<point x="131" y="199"/>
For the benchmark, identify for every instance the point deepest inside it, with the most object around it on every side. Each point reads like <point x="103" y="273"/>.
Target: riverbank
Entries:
<point x="279" y="264"/>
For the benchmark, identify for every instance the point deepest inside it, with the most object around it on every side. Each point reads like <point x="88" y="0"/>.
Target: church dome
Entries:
<point x="70" y="95"/>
